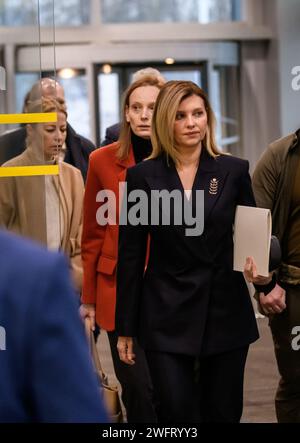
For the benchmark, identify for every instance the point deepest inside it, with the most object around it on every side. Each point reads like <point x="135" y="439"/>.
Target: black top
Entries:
<point x="142" y="147"/>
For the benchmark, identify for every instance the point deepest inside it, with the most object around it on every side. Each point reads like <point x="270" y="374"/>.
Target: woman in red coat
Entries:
<point x="107" y="169"/>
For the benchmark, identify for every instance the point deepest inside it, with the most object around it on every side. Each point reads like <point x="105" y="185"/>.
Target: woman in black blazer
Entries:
<point x="189" y="310"/>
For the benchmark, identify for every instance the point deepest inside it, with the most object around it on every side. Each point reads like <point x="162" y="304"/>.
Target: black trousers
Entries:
<point x="137" y="389"/>
<point x="198" y="389"/>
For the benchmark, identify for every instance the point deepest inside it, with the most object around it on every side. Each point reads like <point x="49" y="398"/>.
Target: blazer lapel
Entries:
<point x="167" y="179"/>
<point x="209" y="178"/>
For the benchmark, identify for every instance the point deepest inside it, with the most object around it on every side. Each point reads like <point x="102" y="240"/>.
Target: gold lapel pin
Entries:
<point x="213" y="186"/>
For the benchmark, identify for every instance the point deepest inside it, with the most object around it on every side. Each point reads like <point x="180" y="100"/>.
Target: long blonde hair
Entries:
<point x="163" y="120"/>
<point x="125" y="135"/>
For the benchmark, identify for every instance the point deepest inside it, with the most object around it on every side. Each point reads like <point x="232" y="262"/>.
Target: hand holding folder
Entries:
<point x="252" y="238"/>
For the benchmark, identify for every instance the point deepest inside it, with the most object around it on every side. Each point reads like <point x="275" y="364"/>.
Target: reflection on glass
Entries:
<point x="47" y="209"/>
<point x="225" y="101"/>
<point x="109" y="104"/>
<point x="202" y="11"/>
<point x="24" y="13"/>
<point x="194" y="76"/>
<point x="24" y="82"/>
<point x="75" y="93"/>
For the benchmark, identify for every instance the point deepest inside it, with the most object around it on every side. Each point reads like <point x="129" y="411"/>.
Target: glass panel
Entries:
<point x="194" y="76"/>
<point x="225" y="101"/>
<point x="42" y="200"/>
<point x="76" y="95"/>
<point x="109" y="102"/>
<point x="18" y="12"/>
<point x="202" y="11"/>
<point x="23" y="82"/>
<point x="66" y="12"/>
<point x="23" y="207"/>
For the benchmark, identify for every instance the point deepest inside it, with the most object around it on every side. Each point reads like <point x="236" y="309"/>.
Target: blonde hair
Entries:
<point x="164" y="115"/>
<point x="125" y="134"/>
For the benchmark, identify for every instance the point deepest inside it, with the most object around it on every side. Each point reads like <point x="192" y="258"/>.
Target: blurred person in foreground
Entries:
<point x="46" y="373"/>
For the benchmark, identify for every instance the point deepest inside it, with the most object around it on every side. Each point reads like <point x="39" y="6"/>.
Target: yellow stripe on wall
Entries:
<point x="36" y="117"/>
<point x="23" y="171"/>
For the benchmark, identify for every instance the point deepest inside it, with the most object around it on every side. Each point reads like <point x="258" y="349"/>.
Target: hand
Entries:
<point x="125" y="349"/>
<point x="274" y="302"/>
<point x="88" y="310"/>
<point x="251" y="275"/>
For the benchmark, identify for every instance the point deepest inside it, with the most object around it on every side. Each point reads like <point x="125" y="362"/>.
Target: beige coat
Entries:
<point x="23" y="210"/>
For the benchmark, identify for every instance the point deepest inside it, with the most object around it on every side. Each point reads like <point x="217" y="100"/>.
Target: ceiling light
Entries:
<point x="67" y="73"/>
<point x="169" y="61"/>
<point x="106" y="69"/>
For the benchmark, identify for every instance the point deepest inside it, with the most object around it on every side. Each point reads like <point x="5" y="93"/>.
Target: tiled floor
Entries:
<point x="260" y="378"/>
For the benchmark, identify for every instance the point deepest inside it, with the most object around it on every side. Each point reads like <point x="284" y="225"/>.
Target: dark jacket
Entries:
<point x="12" y="143"/>
<point x="189" y="300"/>
<point x="273" y="179"/>
<point x="112" y="134"/>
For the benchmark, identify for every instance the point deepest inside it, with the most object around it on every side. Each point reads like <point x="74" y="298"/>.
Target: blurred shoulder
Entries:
<point x="283" y="143"/>
<point x="25" y="257"/>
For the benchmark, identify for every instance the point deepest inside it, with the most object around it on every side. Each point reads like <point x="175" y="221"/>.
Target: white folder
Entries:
<point x="252" y="238"/>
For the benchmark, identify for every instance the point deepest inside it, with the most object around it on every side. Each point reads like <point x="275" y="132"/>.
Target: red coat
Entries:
<point x="100" y="243"/>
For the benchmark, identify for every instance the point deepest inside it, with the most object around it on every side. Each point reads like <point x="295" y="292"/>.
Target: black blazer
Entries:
<point x="189" y="300"/>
